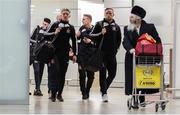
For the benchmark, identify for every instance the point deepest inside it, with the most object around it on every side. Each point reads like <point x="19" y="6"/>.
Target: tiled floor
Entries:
<point x="74" y="105"/>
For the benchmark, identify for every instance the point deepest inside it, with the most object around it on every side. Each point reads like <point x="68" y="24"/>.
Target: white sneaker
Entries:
<point x="105" y="98"/>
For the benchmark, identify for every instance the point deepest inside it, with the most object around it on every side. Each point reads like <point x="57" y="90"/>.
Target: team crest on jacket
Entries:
<point x="114" y="28"/>
<point x="68" y="31"/>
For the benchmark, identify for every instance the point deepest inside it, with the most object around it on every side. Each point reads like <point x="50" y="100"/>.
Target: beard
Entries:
<point x="131" y="27"/>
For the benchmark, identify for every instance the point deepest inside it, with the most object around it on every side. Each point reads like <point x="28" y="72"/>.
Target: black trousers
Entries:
<point x="38" y="73"/>
<point x="110" y="67"/>
<point x="57" y="73"/>
<point x="86" y="79"/>
<point x="49" y="66"/>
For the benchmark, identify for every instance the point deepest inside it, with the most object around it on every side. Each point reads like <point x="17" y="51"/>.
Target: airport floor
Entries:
<point x="73" y="104"/>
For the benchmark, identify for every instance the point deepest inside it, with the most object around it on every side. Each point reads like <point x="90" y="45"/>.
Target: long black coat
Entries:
<point x="129" y="42"/>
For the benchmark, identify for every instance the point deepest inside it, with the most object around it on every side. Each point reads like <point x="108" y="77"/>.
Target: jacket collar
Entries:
<point x="142" y="28"/>
<point x="106" y="23"/>
<point x="65" y="22"/>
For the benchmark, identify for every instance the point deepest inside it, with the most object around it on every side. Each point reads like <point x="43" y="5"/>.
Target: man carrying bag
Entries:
<point x="111" y="35"/>
<point x="38" y="52"/>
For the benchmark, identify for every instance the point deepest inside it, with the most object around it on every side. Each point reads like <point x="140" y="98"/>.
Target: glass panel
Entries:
<point x="14" y="45"/>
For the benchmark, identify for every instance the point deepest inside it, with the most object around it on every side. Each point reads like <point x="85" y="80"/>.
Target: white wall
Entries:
<point x="50" y="9"/>
<point x="93" y="8"/>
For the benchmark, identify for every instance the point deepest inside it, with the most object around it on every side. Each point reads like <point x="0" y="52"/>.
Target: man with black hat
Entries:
<point x="132" y="32"/>
<point x="111" y="35"/>
<point x="39" y="34"/>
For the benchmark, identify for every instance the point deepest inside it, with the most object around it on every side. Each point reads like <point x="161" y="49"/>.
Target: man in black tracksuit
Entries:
<point x="60" y="62"/>
<point x="83" y="54"/>
<point x="51" y="28"/>
<point x="111" y="34"/>
<point x="39" y="35"/>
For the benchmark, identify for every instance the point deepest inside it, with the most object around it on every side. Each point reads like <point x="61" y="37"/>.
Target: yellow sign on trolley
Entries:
<point x="148" y="77"/>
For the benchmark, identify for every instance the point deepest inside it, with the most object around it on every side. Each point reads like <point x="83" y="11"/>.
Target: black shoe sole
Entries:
<point x="105" y="101"/>
<point x="53" y="100"/>
<point x="60" y="100"/>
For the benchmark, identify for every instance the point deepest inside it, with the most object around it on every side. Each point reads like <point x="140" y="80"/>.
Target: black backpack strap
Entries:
<point x="37" y="32"/>
<point x="101" y="23"/>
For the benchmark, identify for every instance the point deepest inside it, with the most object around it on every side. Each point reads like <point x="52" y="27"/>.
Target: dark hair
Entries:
<point x="109" y="9"/>
<point x="47" y="20"/>
<point x="88" y="15"/>
<point x="65" y="9"/>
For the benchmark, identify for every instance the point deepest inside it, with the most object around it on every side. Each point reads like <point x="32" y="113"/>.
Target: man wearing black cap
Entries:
<point x="132" y="32"/>
<point x="39" y="35"/>
<point x="111" y="35"/>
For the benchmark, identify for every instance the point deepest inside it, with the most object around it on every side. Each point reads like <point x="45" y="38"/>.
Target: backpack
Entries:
<point x="95" y="62"/>
<point x="43" y="51"/>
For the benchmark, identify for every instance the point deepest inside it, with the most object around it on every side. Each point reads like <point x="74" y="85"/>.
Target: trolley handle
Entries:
<point x="134" y="57"/>
<point x="134" y="54"/>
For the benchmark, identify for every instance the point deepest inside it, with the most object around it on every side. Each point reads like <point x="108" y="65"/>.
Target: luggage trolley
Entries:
<point x="148" y="73"/>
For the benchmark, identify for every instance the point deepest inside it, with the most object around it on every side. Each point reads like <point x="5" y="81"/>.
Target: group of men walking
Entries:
<point x="89" y="36"/>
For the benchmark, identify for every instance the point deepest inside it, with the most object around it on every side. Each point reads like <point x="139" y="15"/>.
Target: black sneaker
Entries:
<point x="60" y="98"/>
<point x="53" y="96"/>
<point x="38" y="93"/>
<point x="84" y="96"/>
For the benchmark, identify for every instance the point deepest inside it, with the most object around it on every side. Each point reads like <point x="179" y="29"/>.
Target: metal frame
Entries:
<point x="158" y="103"/>
<point x="29" y="25"/>
<point x="175" y="3"/>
